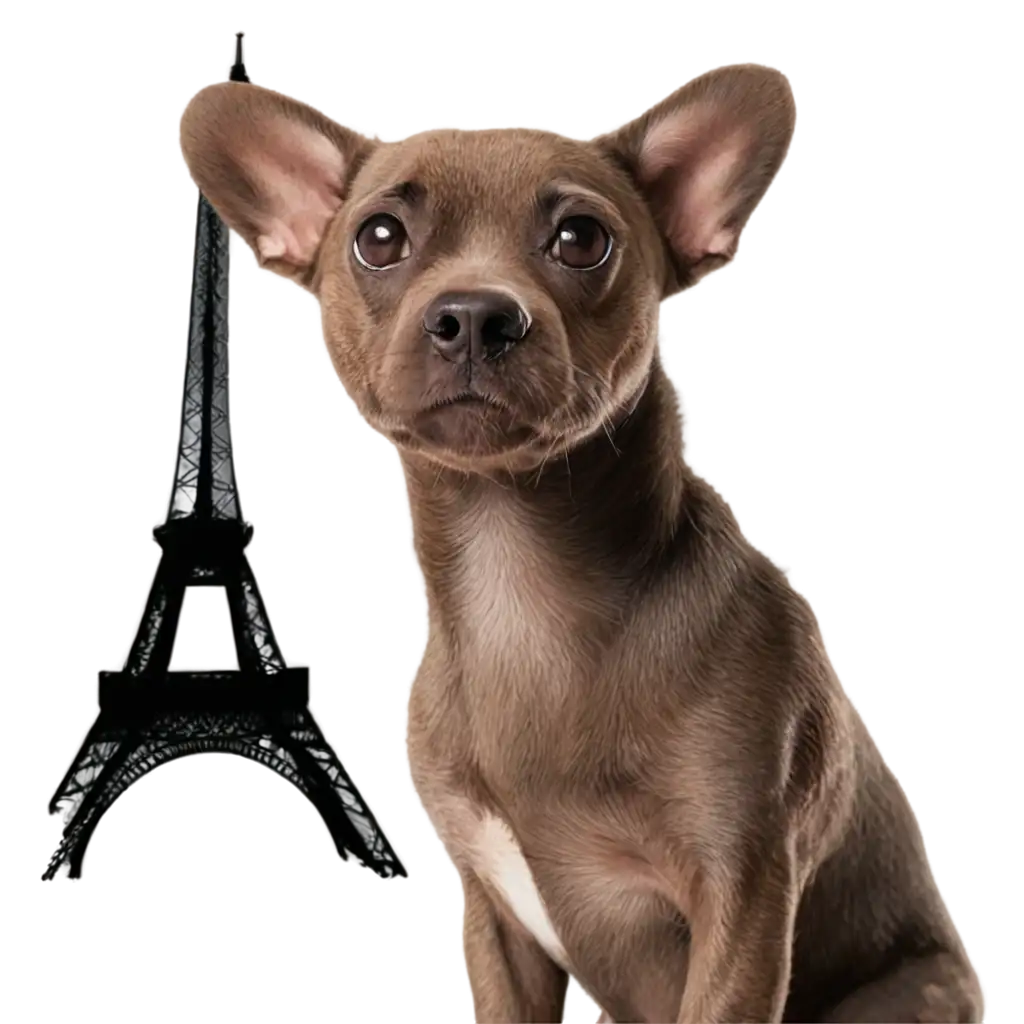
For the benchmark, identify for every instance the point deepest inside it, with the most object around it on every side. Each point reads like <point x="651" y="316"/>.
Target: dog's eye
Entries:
<point x="381" y="242"/>
<point x="581" y="243"/>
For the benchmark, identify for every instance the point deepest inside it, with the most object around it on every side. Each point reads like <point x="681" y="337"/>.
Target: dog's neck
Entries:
<point x="589" y="523"/>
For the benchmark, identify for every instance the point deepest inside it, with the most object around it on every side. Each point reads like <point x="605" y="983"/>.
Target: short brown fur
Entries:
<point x="612" y="672"/>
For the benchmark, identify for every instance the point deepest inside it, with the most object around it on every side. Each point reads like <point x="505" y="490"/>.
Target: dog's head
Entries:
<point x="490" y="297"/>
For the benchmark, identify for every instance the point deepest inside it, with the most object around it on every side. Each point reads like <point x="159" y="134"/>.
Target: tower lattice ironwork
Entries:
<point x="149" y="714"/>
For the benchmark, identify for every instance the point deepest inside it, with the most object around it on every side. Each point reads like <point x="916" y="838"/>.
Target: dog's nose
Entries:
<point x="478" y="324"/>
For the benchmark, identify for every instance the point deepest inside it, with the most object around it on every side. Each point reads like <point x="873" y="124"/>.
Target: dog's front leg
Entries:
<point x="512" y="978"/>
<point x="741" y="927"/>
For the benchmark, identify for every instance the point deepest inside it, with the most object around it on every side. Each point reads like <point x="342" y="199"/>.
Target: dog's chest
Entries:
<point x="499" y="859"/>
<point x="600" y="891"/>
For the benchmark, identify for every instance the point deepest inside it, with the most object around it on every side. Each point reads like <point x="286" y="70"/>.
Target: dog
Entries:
<point x="625" y="727"/>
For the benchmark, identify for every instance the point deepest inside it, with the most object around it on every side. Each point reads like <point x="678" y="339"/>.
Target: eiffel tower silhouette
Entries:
<point x="150" y="715"/>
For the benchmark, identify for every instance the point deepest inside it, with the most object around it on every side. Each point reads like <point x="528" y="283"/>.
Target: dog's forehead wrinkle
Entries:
<point x="405" y="191"/>
<point x="491" y="166"/>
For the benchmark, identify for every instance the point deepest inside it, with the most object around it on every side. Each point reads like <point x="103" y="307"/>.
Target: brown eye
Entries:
<point x="381" y="242"/>
<point x="581" y="243"/>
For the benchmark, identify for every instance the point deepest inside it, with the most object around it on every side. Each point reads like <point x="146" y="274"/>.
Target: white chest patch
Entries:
<point x="501" y="861"/>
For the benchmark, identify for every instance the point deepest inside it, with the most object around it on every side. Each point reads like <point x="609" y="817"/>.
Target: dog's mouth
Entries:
<point x="470" y="422"/>
<point x="467" y="399"/>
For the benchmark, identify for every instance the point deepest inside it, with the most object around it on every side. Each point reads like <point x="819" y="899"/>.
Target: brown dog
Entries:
<point x="625" y="727"/>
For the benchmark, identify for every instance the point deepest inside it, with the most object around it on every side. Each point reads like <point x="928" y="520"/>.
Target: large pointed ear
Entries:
<point x="275" y="170"/>
<point x="703" y="158"/>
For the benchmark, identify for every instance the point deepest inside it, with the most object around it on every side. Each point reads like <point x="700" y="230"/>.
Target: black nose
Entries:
<point x="475" y="325"/>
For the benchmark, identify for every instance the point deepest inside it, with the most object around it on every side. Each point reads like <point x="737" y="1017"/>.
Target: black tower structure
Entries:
<point x="150" y="715"/>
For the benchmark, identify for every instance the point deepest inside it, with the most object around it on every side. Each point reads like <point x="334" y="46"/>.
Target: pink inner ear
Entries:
<point x="696" y="156"/>
<point x="298" y="174"/>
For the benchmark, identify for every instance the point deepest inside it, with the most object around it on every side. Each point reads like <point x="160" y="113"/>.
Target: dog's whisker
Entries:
<point x="608" y="434"/>
<point x="511" y="474"/>
<point x="543" y="463"/>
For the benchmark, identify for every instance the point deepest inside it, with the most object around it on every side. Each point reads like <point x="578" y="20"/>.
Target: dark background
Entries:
<point x="95" y="231"/>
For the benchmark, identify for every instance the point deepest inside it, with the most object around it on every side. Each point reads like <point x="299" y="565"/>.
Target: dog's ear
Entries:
<point x="703" y="158"/>
<point x="275" y="170"/>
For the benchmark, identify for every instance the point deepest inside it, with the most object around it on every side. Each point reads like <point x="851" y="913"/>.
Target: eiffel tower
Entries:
<point x="150" y="715"/>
